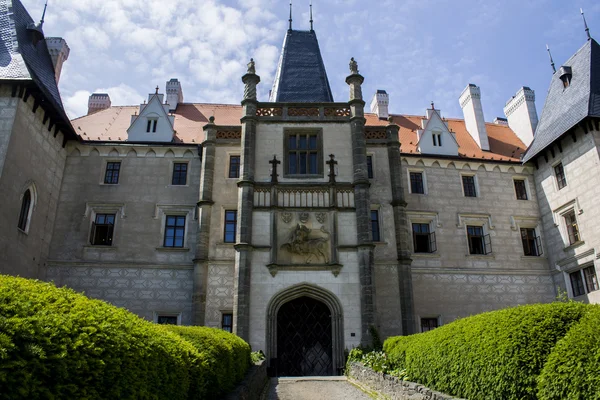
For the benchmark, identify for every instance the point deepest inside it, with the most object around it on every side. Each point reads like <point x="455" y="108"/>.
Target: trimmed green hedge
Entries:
<point x="58" y="344"/>
<point x="573" y="368"/>
<point x="497" y="354"/>
<point x="225" y="357"/>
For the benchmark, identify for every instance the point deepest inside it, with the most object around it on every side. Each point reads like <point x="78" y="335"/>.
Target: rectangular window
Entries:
<point x="416" y="183"/>
<point x="469" y="185"/>
<point x="234" y="166"/>
<point x="303" y="154"/>
<point x="439" y="138"/>
<point x="423" y="240"/>
<point x="154" y="123"/>
<point x="370" y="167"/>
<point x="149" y="125"/>
<point x="559" y="172"/>
<point x="520" y="189"/>
<point x="478" y="242"/>
<point x="102" y="230"/>
<point x="577" y="283"/>
<point x="111" y="176"/>
<point x="433" y="136"/>
<point x="591" y="281"/>
<point x="179" y="174"/>
<point x="174" y="231"/>
<point x="230" y="226"/>
<point x="227" y="322"/>
<point x="375" y="226"/>
<point x="428" y="324"/>
<point x="572" y="228"/>
<point x="166" y="319"/>
<point x="532" y="244"/>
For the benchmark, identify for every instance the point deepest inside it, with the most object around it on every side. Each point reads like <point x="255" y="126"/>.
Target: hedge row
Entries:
<point x="57" y="344"/>
<point x="225" y="357"/>
<point x="497" y="354"/>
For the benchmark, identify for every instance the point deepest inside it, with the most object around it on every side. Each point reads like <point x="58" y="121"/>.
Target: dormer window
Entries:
<point x="565" y="74"/>
<point x="437" y="138"/>
<point x="151" y="125"/>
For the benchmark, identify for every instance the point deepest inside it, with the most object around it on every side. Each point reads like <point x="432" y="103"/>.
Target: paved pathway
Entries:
<point x="314" y="388"/>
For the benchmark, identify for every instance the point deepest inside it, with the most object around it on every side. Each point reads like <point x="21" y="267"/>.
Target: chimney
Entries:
<point x="379" y="104"/>
<point x="521" y="114"/>
<point x="470" y="102"/>
<point x="174" y="94"/>
<point x="59" y="51"/>
<point x="98" y="102"/>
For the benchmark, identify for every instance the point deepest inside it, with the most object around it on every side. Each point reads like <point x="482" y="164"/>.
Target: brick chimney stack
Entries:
<point x="59" y="51"/>
<point x="98" y="102"/>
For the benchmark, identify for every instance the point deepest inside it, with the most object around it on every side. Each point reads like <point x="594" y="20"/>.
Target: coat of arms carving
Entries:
<point x="286" y="217"/>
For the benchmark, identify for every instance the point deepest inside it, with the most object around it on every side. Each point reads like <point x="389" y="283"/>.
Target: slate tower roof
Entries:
<point x="23" y="59"/>
<point x="565" y="107"/>
<point x="301" y="75"/>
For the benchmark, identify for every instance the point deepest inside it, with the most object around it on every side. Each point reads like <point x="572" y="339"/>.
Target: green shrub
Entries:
<point x="57" y="344"/>
<point x="225" y="358"/>
<point x="498" y="354"/>
<point x="573" y="368"/>
<point x="257" y="356"/>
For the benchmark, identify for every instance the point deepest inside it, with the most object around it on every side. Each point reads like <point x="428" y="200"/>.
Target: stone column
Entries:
<point x="362" y="201"/>
<point x="402" y="230"/>
<point x="205" y="203"/>
<point x="243" y="247"/>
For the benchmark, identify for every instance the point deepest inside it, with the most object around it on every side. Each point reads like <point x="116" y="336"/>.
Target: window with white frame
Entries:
<point x="103" y="221"/>
<point x="584" y="281"/>
<point x="151" y="125"/>
<point x="175" y="220"/>
<point x="423" y="238"/>
<point x="559" y="173"/>
<point x="565" y="219"/>
<point x="572" y="227"/>
<point x="479" y="242"/>
<point x="532" y="243"/>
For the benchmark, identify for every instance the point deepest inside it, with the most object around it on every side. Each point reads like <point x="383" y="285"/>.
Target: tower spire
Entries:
<point x="43" y="14"/>
<point x="587" y="30"/>
<point x="290" y="28"/>
<point x="551" y="60"/>
<point x="311" y="17"/>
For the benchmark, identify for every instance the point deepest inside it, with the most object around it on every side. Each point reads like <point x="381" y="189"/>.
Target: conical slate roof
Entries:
<point x="24" y="60"/>
<point x="566" y="107"/>
<point x="301" y="75"/>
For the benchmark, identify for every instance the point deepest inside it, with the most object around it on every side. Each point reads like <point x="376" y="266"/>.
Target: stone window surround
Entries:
<point x="555" y="178"/>
<point x="475" y="181"/>
<point x="161" y="211"/>
<point x="373" y="163"/>
<point x="423" y="174"/>
<point x="482" y="220"/>
<point x="523" y="221"/>
<point x="91" y="209"/>
<point x="29" y="185"/>
<point x="105" y="162"/>
<point x="226" y="207"/>
<point x="377" y="207"/>
<point x="320" y="152"/>
<point x="165" y="313"/>
<point x="583" y="278"/>
<point x="575" y="263"/>
<point x="558" y="215"/>
<point x="424" y="217"/>
<point x="171" y="167"/>
<point x="419" y="317"/>
<point x="527" y="187"/>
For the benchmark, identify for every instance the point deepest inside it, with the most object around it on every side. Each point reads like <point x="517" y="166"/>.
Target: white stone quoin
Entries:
<point x="470" y="102"/>
<point x="174" y="93"/>
<point x="521" y="114"/>
<point x="59" y="51"/>
<point x="98" y="102"/>
<point x="380" y="103"/>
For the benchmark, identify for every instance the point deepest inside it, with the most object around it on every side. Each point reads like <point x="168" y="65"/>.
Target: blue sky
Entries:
<point x="417" y="50"/>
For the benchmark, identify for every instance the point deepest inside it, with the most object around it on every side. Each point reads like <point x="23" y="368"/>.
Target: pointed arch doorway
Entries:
<point x="305" y="332"/>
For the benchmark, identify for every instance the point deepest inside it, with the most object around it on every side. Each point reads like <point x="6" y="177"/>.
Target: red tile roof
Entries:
<point x="111" y="125"/>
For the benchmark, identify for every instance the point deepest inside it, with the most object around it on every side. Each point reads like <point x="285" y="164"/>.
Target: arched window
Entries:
<point x="25" y="207"/>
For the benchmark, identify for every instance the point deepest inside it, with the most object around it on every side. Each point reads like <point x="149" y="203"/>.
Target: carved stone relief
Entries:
<point x="321" y="217"/>
<point x="286" y="217"/>
<point x="311" y="245"/>
<point x="303" y="217"/>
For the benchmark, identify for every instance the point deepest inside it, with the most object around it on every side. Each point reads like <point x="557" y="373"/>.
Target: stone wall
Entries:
<point x="31" y="157"/>
<point x="253" y="385"/>
<point x="580" y="162"/>
<point x="388" y="387"/>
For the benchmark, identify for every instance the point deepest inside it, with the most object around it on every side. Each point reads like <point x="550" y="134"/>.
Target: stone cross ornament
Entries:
<point x="274" y="174"/>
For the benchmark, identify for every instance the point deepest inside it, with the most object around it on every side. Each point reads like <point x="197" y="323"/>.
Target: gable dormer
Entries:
<point x="153" y="123"/>
<point x="434" y="135"/>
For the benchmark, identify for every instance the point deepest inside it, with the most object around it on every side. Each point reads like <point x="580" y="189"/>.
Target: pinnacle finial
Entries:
<point x="432" y="106"/>
<point x="353" y="66"/>
<point x="156" y="91"/>
<point x="587" y="30"/>
<point x="290" y="15"/>
<point x="43" y="14"/>
<point x="251" y="67"/>
<point x="311" y="17"/>
<point x="551" y="60"/>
